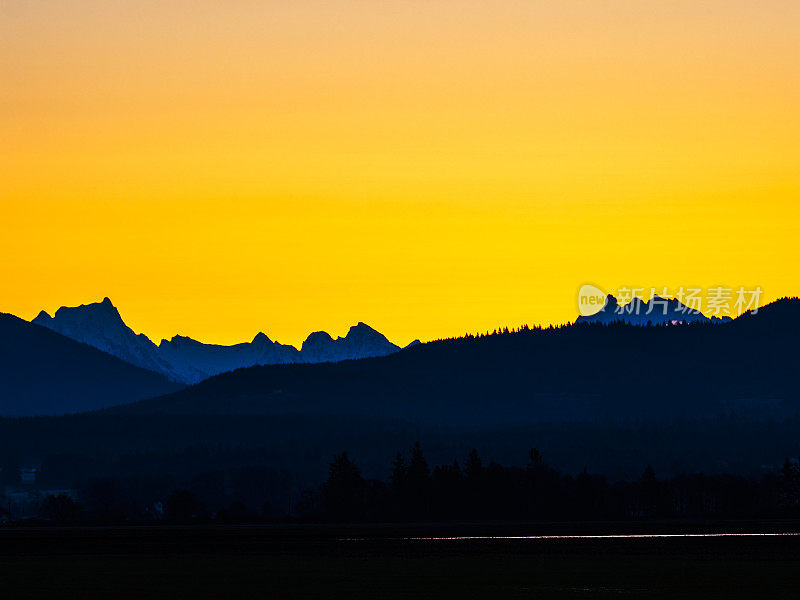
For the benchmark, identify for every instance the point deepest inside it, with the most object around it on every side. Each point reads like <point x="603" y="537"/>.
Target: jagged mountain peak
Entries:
<point x="318" y="336"/>
<point x="93" y="311"/>
<point x="261" y="338"/>
<point x="99" y="324"/>
<point x="641" y="312"/>
<point x="362" y="329"/>
<point x="185" y="359"/>
<point x="178" y="340"/>
<point x="43" y="316"/>
<point x="361" y="341"/>
<point x="611" y="302"/>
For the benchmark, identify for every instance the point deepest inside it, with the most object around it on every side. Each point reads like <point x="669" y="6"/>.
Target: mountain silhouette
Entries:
<point x="100" y="325"/>
<point x="45" y="373"/>
<point x="194" y="361"/>
<point x="656" y="311"/>
<point x="576" y="372"/>
<point x="183" y="359"/>
<point x="361" y="341"/>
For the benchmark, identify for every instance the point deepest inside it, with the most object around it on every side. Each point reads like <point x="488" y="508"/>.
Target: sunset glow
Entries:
<point x="430" y="168"/>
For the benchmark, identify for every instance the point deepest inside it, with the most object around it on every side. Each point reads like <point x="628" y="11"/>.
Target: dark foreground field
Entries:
<point x="326" y="562"/>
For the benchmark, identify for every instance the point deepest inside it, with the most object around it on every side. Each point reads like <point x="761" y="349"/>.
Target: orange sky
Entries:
<point x="431" y="168"/>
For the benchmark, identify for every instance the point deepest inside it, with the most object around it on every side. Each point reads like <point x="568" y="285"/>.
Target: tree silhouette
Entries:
<point x="344" y="491"/>
<point x="418" y="484"/>
<point x="418" y="471"/>
<point x="649" y="492"/>
<point x="399" y="473"/>
<point x="475" y="496"/>
<point x="473" y="468"/>
<point x="790" y="483"/>
<point x="183" y="505"/>
<point x="536" y="462"/>
<point x="59" y="508"/>
<point x="447" y="488"/>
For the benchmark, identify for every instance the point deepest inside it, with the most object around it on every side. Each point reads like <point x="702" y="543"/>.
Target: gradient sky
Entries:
<point x="429" y="167"/>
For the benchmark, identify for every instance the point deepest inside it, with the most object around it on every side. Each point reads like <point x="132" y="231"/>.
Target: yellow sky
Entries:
<point x="429" y="167"/>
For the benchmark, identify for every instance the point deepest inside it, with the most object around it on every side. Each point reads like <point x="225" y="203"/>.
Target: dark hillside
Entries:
<point x="569" y="373"/>
<point x="45" y="373"/>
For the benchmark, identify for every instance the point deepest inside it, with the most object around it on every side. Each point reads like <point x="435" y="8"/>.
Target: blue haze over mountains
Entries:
<point x="583" y="371"/>
<point x="45" y="373"/>
<point x="558" y="373"/>
<point x="687" y="396"/>
<point x="186" y="360"/>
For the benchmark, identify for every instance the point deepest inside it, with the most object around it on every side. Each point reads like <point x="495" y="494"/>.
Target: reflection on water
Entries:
<point x="573" y="537"/>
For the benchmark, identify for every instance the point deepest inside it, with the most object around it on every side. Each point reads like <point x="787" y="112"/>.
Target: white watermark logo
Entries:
<point x="717" y="301"/>
<point x="591" y="300"/>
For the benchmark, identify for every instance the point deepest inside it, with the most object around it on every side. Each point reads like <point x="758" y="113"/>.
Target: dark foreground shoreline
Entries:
<point x="385" y="561"/>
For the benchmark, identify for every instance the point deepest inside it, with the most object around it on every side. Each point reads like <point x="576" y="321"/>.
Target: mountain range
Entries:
<point x="684" y="395"/>
<point x="576" y="372"/>
<point x="183" y="359"/>
<point x="656" y="311"/>
<point x="470" y="380"/>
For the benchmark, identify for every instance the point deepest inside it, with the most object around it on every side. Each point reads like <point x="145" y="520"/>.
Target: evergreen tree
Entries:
<point x="418" y="471"/>
<point x="473" y="468"/>
<point x="399" y="473"/>
<point x="649" y="492"/>
<point x="343" y="492"/>
<point x="183" y="505"/>
<point x="790" y="483"/>
<point x="419" y="484"/>
<point x="535" y="463"/>
<point x="59" y="508"/>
